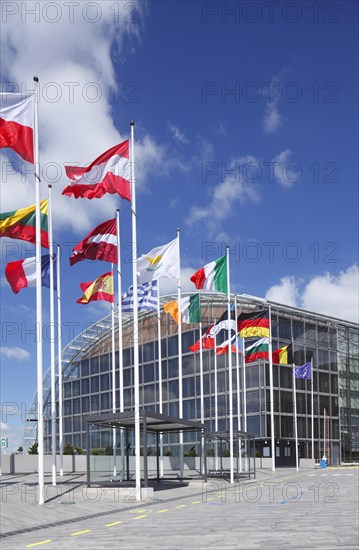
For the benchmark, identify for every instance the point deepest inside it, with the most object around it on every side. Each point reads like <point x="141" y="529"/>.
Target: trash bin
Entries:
<point x="323" y="463"/>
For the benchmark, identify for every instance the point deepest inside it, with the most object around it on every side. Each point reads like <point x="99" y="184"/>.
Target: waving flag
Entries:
<point x="254" y="324"/>
<point x="304" y="372"/>
<point x="22" y="274"/>
<point x="190" y="309"/>
<point x="223" y="349"/>
<point x="109" y="173"/>
<point x="100" y="289"/>
<point x="212" y="276"/>
<point x="283" y="356"/>
<point x="100" y="244"/>
<point x="162" y="261"/>
<point x="147" y="298"/>
<point x="17" y="124"/>
<point x="21" y="224"/>
<point x="224" y="324"/>
<point x="207" y="342"/>
<point x="257" y="351"/>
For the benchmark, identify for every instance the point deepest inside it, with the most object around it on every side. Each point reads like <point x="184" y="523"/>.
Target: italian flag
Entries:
<point x="212" y="276"/>
<point x="257" y="351"/>
<point x="100" y="289"/>
<point x="21" y="224"/>
<point x="17" y="124"/>
<point x="190" y="308"/>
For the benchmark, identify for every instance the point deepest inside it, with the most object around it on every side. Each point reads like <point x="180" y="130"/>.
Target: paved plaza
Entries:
<point x="312" y="509"/>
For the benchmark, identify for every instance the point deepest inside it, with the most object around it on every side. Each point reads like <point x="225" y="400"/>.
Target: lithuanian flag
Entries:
<point x="190" y="308"/>
<point x="254" y="324"/>
<point x="21" y="224"/>
<point x="283" y="356"/>
<point x="257" y="351"/>
<point x="100" y="289"/>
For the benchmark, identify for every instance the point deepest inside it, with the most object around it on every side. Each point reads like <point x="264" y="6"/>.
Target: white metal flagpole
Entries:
<point x="312" y="406"/>
<point x="59" y="361"/>
<point x="113" y="363"/>
<point x="271" y="391"/>
<point x="216" y="399"/>
<point x="160" y="396"/>
<point x="40" y="398"/>
<point x="295" y="412"/>
<point x="239" y="422"/>
<point x="231" y="465"/>
<point x="52" y="343"/>
<point x="135" y="319"/>
<point x="180" y="381"/>
<point x="295" y="418"/>
<point x="201" y="389"/>
<point x="120" y="339"/>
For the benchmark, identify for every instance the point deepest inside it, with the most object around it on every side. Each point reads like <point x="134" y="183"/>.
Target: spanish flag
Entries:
<point x="283" y="356"/>
<point x="21" y="224"/>
<point x="255" y="324"/>
<point x="100" y="289"/>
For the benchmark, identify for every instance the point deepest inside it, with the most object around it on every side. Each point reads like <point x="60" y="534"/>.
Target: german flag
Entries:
<point x="283" y="356"/>
<point x="254" y="324"/>
<point x="21" y="224"/>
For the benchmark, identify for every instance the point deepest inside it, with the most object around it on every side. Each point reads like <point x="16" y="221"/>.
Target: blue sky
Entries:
<point x="246" y="134"/>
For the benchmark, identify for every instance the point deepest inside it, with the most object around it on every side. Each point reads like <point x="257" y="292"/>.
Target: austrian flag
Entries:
<point x="109" y="173"/>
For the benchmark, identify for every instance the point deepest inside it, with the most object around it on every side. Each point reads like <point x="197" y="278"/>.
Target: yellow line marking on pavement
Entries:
<point x="162" y="511"/>
<point x="38" y="543"/>
<point x="196" y="502"/>
<point x="80" y="532"/>
<point x="114" y="523"/>
<point x="140" y="517"/>
<point x="211" y="498"/>
<point x="181" y="506"/>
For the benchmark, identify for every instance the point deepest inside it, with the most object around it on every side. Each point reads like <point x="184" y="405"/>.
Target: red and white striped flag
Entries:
<point x="100" y="244"/>
<point x="17" y="124"/>
<point x="109" y="173"/>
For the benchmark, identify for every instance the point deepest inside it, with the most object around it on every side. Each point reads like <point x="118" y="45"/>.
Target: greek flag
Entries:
<point x="147" y="298"/>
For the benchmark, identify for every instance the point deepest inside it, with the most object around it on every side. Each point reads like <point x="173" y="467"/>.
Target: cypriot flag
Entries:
<point x="162" y="261"/>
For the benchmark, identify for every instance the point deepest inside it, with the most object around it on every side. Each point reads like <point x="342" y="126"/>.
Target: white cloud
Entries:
<point x="224" y="196"/>
<point x="4" y="427"/>
<point x="272" y="119"/>
<point x="177" y="134"/>
<point x="285" y="292"/>
<point x="14" y="352"/>
<point x="75" y="64"/>
<point x="332" y="295"/>
<point x="285" y="171"/>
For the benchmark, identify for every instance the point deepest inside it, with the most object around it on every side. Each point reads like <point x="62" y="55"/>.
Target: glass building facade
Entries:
<point x="332" y="345"/>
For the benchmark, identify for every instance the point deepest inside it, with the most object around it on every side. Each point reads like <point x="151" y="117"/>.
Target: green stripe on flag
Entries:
<point x="220" y="275"/>
<point x="195" y="309"/>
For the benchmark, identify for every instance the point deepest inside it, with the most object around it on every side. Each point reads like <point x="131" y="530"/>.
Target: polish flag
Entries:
<point x="100" y="244"/>
<point x="109" y="173"/>
<point x="17" y="124"/>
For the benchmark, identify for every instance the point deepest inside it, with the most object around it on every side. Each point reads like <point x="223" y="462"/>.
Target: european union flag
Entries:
<point x="304" y="372"/>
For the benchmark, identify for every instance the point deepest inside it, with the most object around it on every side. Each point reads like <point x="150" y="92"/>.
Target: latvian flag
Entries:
<point x="100" y="244"/>
<point x="17" y="124"/>
<point x="109" y="173"/>
<point x="212" y="276"/>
